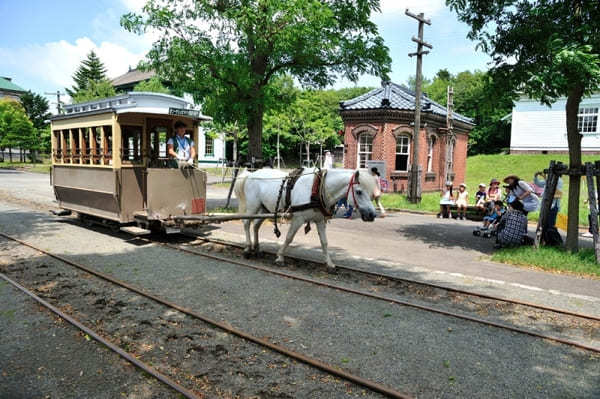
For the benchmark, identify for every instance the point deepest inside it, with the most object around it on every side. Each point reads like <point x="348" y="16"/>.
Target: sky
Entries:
<point x="42" y="42"/>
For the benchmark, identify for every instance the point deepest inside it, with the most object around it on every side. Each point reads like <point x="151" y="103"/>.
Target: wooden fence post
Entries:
<point x="549" y="190"/>
<point x="593" y="203"/>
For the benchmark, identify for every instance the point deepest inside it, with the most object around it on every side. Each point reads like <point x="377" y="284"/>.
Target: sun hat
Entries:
<point x="448" y="183"/>
<point x="513" y="177"/>
<point x="482" y="185"/>
<point x="494" y="181"/>
<point x="463" y="185"/>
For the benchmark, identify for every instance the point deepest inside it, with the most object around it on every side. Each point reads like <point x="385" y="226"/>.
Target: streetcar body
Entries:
<point x="109" y="160"/>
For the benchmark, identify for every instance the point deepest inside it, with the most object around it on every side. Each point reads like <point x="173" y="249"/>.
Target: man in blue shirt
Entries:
<point x="180" y="148"/>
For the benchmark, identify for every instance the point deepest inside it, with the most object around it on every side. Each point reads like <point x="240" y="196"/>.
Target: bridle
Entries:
<point x="351" y="185"/>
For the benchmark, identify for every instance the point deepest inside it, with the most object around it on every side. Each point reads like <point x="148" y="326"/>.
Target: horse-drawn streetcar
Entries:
<point x="110" y="162"/>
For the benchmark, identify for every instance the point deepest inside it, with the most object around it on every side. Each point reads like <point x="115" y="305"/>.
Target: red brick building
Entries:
<point x="379" y="126"/>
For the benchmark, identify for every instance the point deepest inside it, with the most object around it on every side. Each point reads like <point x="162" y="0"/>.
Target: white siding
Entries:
<point x="218" y="148"/>
<point x="536" y="127"/>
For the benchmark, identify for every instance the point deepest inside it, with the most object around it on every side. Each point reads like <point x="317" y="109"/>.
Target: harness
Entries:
<point x="317" y="196"/>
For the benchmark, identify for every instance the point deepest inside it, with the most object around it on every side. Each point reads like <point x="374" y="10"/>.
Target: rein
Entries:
<point x="351" y="185"/>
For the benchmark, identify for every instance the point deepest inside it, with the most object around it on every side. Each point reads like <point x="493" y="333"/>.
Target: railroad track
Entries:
<point x="589" y="322"/>
<point x="411" y="281"/>
<point x="224" y="326"/>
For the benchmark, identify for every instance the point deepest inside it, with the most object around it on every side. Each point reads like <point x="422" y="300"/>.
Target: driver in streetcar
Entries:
<point x="180" y="148"/>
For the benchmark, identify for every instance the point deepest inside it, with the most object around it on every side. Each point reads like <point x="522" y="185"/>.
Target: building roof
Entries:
<point x="7" y="84"/>
<point x="397" y="97"/>
<point x="133" y="76"/>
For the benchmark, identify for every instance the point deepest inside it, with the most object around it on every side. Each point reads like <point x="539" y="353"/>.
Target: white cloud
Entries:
<point x="55" y="62"/>
<point x="395" y="7"/>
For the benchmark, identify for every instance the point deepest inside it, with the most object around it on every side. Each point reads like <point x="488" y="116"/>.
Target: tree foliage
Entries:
<point x="153" y="85"/>
<point x="312" y="118"/>
<point x="90" y="70"/>
<point x="547" y="49"/>
<point x="475" y="96"/>
<point x="37" y="109"/>
<point x="232" y="51"/>
<point x="94" y="90"/>
<point x="16" y="130"/>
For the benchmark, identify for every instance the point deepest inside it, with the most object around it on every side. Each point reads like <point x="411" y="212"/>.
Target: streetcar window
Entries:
<point x="131" y="145"/>
<point x="57" y="153"/>
<point x="66" y="139"/>
<point x="107" y="145"/>
<point x="95" y="144"/>
<point x="85" y="143"/>
<point x="75" y="146"/>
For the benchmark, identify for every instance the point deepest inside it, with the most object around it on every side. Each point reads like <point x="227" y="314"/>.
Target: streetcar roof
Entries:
<point x="135" y="102"/>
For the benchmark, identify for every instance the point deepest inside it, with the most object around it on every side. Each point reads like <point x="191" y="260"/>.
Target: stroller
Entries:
<point x="494" y="213"/>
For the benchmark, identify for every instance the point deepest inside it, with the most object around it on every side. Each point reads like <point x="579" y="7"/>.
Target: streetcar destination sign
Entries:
<point x="184" y="112"/>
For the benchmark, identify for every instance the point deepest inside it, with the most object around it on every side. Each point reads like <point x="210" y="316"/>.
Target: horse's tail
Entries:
<point x="238" y="188"/>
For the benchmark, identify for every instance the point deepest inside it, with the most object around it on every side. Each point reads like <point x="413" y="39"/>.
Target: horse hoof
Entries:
<point x="332" y="270"/>
<point x="280" y="262"/>
<point x="259" y="254"/>
<point x="247" y="254"/>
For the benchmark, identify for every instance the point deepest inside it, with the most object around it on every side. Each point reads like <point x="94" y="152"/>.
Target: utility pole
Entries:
<point x="449" y="131"/>
<point x="414" y="183"/>
<point x="278" y="156"/>
<point x="58" y="102"/>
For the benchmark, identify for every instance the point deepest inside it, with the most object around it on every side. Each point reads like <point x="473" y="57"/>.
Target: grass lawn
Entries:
<point x="29" y="167"/>
<point x="482" y="168"/>
<point x="553" y="259"/>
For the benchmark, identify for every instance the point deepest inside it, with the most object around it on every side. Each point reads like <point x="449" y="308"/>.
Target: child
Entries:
<point x="446" y="201"/>
<point x="480" y="196"/>
<point x="462" y="201"/>
<point x="493" y="193"/>
<point x="495" y="216"/>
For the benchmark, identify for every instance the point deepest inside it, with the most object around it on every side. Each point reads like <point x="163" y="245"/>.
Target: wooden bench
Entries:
<point x="473" y="213"/>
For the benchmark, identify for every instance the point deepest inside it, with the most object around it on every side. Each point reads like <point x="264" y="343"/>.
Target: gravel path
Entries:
<point x="44" y="357"/>
<point x="203" y="358"/>
<point x="421" y="353"/>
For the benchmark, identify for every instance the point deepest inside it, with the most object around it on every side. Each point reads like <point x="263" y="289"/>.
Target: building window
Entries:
<point x="430" y="147"/>
<point x="365" y="149"/>
<point x="402" y="153"/>
<point x="587" y="120"/>
<point x="209" y="146"/>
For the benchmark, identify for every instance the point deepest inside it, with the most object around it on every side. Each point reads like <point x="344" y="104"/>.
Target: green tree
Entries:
<point x="232" y="50"/>
<point x="312" y="118"/>
<point x="37" y="109"/>
<point x="153" y="85"/>
<point x="90" y="70"/>
<point x="548" y="49"/>
<point x="16" y="130"/>
<point x="94" y="90"/>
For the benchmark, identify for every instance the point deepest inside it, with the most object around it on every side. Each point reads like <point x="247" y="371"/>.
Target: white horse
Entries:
<point x="258" y="193"/>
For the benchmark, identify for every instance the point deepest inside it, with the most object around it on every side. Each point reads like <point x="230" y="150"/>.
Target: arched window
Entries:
<point x="365" y="149"/>
<point x="402" y="153"/>
<point x="430" y="147"/>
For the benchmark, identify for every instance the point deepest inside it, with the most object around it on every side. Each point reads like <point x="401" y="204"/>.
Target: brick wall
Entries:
<point x="384" y="148"/>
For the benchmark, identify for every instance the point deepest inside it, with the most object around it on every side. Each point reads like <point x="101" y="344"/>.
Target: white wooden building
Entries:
<point x="537" y="128"/>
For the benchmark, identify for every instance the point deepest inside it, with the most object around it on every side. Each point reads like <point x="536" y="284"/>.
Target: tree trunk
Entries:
<point x="307" y="152"/>
<point x="574" y="140"/>
<point x="255" y="127"/>
<point x="10" y="154"/>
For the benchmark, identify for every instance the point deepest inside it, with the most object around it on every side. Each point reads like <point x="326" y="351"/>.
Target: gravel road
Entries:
<point x="424" y="354"/>
<point x="44" y="357"/>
